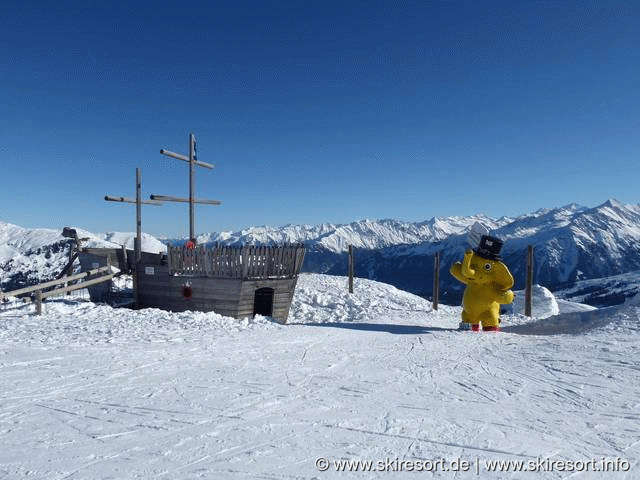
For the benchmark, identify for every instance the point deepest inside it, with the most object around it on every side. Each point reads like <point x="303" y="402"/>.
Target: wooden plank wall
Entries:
<point x="223" y="279"/>
<point x="237" y="262"/>
<point x="158" y="289"/>
<point x="120" y="258"/>
<point x="232" y="297"/>
<point x="283" y="295"/>
<point x="88" y="261"/>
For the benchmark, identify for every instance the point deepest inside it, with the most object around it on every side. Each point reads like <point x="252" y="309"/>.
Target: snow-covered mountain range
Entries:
<point x="365" y="234"/>
<point x="28" y="256"/>
<point x="571" y="243"/>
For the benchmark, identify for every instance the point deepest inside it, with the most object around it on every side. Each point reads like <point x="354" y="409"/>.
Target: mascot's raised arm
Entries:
<point x="488" y="283"/>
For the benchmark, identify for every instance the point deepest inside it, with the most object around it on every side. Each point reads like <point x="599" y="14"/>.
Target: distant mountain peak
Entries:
<point x="611" y="203"/>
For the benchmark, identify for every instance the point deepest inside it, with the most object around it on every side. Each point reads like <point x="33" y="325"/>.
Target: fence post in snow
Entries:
<point x="351" y="268"/>
<point x="436" y="280"/>
<point x="38" y="302"/>
<point x="528" y="286"/>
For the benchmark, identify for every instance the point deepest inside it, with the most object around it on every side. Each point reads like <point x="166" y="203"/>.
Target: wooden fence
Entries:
<point x="247" y="262"/>
<point x="44" y="290"/>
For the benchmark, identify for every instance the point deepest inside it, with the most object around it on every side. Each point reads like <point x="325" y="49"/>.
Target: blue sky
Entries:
<point x="315" y="111"/>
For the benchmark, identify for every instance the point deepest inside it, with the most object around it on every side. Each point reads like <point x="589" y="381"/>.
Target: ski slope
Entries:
<point x="87" y="391"/>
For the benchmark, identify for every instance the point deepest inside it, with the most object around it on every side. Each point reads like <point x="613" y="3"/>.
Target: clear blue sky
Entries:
<point x="315" y="111"/>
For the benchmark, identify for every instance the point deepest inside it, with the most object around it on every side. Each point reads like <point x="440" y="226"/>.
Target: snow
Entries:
<point x="149" y="243"/>
<point x="18" y="241"/>
<point x="367" y="234"/>
<point x="40" y="254"/>
<point x="544" y="304"/>
<point x="597" y="291"/>
<point x="88" y="391"/>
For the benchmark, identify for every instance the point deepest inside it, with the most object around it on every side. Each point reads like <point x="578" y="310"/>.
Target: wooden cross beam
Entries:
<point x="137" y="244"/>
<point x="193" y="162"/>
<point x="138" y="201"/>
<point x="130" y="200"/>
<point x="168" y="198"/>
<point x="186" y="159"/>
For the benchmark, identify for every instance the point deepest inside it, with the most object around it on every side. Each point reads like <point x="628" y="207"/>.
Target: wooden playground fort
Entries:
<point x="232" y="281"/>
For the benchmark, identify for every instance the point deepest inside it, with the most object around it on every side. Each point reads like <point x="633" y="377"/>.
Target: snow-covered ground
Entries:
<point x="87" y="391"/>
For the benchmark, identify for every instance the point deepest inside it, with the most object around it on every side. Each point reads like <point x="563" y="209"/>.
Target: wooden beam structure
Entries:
<point x="137" y="243"/>
<point x="78" y="286"/>
<point x="193" y="162"/>
<point x="111" y="198"/>
<point x="53" y="283"/>
<point x="186" y="159"/>
<point x="169" y="198"/>
<point x="138" y="202"/>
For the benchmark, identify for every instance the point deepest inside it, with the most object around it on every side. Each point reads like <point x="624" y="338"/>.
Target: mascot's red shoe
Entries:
<point x="491" y="329"/>
<point x="475" y="327"/>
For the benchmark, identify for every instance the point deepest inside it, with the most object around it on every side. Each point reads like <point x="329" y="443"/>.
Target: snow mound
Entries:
<point x="552" y="316"/>
<point x="79" y="322"/>
<point x="620" y="319"/>
<point x="544" y="304"/>
<point x="326" y="299"/>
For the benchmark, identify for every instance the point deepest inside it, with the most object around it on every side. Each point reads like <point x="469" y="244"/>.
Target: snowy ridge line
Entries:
<point x="367" y="234"/>
<point x="376" y="234"/>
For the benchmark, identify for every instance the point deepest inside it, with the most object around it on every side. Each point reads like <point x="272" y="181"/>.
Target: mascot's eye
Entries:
<point x="488" y="266"/>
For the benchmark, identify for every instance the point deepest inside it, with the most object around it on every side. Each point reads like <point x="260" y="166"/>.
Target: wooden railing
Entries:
<point x="44" y="290"/>
<point x="247" y="262"/>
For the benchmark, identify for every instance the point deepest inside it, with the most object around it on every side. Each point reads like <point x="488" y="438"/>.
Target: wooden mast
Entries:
<point x="137" y="242"/>
<point x="193" y="162"/>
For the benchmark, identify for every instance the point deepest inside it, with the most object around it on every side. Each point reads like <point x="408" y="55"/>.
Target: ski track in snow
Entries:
<point x="94" y="392"/>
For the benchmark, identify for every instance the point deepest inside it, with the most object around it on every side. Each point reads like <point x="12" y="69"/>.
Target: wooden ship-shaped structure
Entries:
<point x="233" y="281"/>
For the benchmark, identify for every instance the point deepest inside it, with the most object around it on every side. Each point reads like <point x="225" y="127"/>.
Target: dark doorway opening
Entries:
<point x="263" y="302"/>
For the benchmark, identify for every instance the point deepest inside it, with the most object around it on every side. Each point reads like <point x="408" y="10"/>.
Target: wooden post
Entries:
<point x="351" y="268"/>
<point x="125" y="260"/>
<point x="74" y="248"/>
<point x="529" y="281"/>
<point x="192" y="148"/>
<point x="436" y="280"/>
<point x="137" y="246"/>
<point x="137" y="243"/>
<point x="109" y="272"/>
<point x="38" y="302"/>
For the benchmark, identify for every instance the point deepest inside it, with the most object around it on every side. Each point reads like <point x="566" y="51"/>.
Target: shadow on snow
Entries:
<point x="394" y="329"/>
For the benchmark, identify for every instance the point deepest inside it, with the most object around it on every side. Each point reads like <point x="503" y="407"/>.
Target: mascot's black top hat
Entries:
<point x="489" y="248"/>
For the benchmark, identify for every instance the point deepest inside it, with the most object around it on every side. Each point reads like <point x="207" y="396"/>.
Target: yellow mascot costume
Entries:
<point x="488" y="283"/>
